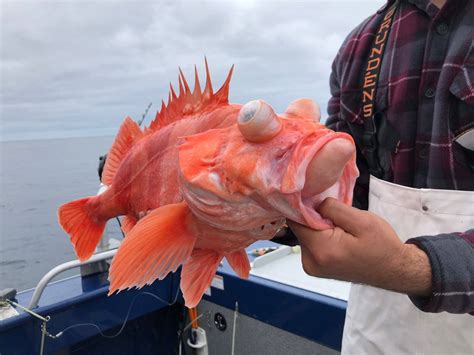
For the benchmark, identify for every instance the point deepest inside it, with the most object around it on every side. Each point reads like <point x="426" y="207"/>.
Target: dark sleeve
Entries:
<point x="452" y="264"/>
<point x="336" y="122"/>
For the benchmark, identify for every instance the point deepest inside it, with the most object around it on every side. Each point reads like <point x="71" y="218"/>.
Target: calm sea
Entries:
<point x="37" y="176"/>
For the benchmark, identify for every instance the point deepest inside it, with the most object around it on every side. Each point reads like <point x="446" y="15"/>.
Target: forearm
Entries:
<point x="409" y="273"/>
<point x="451" y="258"/>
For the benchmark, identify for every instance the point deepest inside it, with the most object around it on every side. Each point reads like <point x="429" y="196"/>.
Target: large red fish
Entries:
<point x="210" y="178"/>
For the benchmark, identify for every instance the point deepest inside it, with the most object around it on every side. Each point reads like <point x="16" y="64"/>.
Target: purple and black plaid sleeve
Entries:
<point x="452" y="264"/>
<point x="426" y="91"/>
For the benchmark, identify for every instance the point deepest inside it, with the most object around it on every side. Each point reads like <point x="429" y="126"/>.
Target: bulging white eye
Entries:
<point x="258" y="122"/>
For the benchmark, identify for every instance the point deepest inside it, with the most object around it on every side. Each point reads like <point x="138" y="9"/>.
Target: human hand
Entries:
<point x="362" y="248"/>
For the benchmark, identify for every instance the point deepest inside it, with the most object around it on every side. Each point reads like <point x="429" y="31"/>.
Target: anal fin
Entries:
<point x="239" y="261"/>
<point x="159" y="243"/>
<point x="197" y="274"/>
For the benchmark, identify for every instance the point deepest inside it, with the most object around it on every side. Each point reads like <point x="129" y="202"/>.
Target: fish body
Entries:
<point x="146" y="177"/>
<point x="205" y="180"/>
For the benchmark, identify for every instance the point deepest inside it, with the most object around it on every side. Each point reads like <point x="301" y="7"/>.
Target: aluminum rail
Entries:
<point x="63" y="267"/>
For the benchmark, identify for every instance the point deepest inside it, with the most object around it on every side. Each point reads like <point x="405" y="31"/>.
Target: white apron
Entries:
<point x="385" y="322"/>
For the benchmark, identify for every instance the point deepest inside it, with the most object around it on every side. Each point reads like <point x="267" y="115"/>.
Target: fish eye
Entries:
<point x="248" y="111"/>
<point x="258" y="122"/>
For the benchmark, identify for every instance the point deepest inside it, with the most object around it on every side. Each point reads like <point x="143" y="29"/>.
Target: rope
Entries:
<point x="193" y="316"/>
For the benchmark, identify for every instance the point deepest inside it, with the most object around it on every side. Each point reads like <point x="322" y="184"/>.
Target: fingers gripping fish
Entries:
<point x="205" y="180"/>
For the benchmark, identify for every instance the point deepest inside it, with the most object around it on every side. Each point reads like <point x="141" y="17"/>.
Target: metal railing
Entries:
<point x="64" y="267"/>
<point x="104" y="253"/>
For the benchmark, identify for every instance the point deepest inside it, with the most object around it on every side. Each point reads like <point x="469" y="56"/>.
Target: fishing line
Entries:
<point x="59" y="334"/>
<point x="120" y="225"/>
<point x="191" y="323"/>
<point x="144" y="114"/>
<point x="185" y="328"/>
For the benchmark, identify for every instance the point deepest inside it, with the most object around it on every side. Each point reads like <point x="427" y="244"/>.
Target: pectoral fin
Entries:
<point x="157" y="244"/>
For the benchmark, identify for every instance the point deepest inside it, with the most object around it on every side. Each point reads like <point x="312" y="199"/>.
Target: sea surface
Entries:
<point x="37" y="176"/>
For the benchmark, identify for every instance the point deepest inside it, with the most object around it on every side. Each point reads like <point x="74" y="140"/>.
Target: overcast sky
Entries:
<point x="77" y="68"/>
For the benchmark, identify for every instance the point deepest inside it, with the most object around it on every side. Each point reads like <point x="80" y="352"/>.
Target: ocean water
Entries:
<point x="37" y="176"/>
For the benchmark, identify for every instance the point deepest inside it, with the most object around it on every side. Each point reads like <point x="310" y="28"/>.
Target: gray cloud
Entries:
<point x="72" y="68"/>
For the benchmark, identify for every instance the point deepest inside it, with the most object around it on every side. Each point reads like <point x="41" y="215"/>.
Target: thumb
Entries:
<point x="305" y="235"/>
<point x="302" y="233"/>
<point x="350" y="219"/>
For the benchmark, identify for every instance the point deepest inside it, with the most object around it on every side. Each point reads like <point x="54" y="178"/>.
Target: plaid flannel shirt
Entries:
<point x="426" y="92"/>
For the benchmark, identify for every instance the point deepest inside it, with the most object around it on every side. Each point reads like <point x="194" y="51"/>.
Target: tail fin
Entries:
<point x="84" y="231"/>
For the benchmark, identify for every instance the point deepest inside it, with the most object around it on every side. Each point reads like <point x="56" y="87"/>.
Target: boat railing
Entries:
<point x="105" y="250"/>
<point x="103" y="256"/>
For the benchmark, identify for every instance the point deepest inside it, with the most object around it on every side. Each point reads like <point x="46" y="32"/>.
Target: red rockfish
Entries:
<point x="205" y="180"/>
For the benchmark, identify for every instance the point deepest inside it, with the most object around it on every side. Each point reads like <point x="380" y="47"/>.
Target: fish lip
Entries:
<point x="309" y="206"/>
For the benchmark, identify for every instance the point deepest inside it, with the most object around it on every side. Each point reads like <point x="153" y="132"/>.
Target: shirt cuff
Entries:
<point x="452" y="264"/>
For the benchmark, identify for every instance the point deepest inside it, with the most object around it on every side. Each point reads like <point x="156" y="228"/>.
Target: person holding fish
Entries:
<point x="402" y="86"/>
<point x="208" y="178"/>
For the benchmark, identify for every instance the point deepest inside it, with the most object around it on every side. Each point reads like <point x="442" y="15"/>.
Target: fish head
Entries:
<point x="266" y="168"/>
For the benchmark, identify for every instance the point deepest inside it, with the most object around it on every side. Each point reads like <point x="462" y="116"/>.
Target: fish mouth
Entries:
<point x="309" y="205"/>
<point x="341" y="190"/>
<point x="327" y="169"/>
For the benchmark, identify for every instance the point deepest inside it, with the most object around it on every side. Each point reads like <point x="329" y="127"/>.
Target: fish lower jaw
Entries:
<point x="310" y="205"/>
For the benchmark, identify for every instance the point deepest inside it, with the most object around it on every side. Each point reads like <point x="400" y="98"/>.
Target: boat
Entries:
<point x="277" y="310"/>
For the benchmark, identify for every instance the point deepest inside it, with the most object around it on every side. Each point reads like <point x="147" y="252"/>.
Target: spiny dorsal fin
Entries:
<point x="189" y="103"/>
<point x="127" y="136"/>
